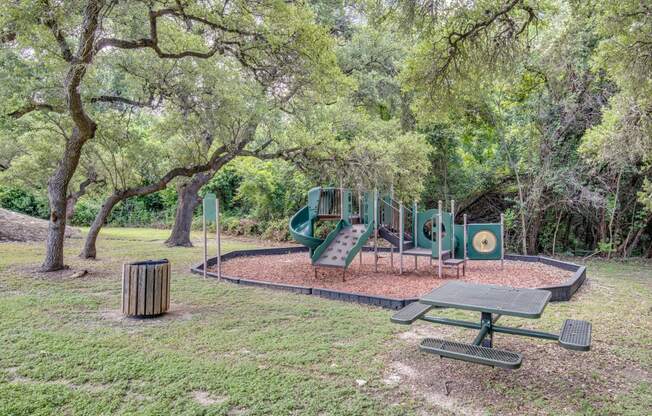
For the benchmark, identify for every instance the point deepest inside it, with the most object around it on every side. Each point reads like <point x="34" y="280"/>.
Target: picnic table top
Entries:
<point x="524" y="303"/>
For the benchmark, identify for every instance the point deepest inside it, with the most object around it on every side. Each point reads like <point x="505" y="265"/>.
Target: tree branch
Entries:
<point x="60" y="37"/>
<point x="116" y="99"/>
<point x="33" y="106"/>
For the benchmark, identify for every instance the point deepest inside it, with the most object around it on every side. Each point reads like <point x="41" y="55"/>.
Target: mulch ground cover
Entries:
<point x="296" y="269"/>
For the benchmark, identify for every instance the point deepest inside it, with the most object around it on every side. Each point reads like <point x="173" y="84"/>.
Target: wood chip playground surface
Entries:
<point x="296" y="269"/>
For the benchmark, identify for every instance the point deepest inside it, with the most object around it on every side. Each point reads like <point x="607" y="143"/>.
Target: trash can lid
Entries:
<point x="150" y="262"/>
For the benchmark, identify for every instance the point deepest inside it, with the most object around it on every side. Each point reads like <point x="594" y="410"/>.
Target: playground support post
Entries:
<point x="218" y="238"/>
<point x="203" y="217"/>
<point x="439" y="225"/>
<point x="415" y="221"/>
<point x="400" y="238"/>
<point x="432" y="233"/>
<point x="414" y="231"/>
<point x="361" y="218"/>
<point x="502" y="240"/>
<point x="465" y="237"/>
<point x="341" y="199"/>
<point x="375" y="230"/>
<point x="452" y="228"/>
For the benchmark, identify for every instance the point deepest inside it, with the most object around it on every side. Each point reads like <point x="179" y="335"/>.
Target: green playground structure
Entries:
<point x="431" y="232"/>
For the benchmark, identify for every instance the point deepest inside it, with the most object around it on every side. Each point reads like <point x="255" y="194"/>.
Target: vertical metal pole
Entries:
<point x="375" y="230"/>
<point x="203" y="217"/>
<point x="361" y="215"/>
<point x="341" y="199"/>
<point x="439" y="265"/>
<point x="391" y="257"/>
<point x="487" y="320"/>
<point x="452" y="228"/>
<point x="432" y="237"/>
<point x="465" y="237"/>
<point x="400" y="238"/>
<point x="415" y="234"/>
<point x="219" y="242"/>
<point x="415" y="221"/>
<point x="502" y="240"/>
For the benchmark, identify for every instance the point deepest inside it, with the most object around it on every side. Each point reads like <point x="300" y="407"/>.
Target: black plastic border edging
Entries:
<point x="562" y="292"/>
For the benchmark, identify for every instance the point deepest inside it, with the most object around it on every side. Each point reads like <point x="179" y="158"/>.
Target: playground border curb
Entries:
<point x="560" y="293"/>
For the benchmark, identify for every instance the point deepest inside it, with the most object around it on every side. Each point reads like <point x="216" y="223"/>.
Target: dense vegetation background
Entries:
<point x="540" y="109"/>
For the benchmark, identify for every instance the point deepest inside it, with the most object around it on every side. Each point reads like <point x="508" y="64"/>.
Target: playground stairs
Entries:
<point x="338" y="250"/>
<point x="393" y="237"/>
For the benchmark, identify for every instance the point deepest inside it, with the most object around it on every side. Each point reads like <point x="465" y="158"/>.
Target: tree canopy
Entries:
<point x="540" y="109"/>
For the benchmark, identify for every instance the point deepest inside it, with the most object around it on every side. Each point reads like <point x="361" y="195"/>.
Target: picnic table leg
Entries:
<point x="486" y="319"/>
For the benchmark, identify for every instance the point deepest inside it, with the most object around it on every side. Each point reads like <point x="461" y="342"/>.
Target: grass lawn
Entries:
<point x="231" y="350"/>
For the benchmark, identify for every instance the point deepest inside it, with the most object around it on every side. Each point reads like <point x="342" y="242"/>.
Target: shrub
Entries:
<point x="277" y="230"/>
<point x="24" y="201"/>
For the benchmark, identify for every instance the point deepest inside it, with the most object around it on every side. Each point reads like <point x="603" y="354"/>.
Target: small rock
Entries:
<point x="361" y="382"/>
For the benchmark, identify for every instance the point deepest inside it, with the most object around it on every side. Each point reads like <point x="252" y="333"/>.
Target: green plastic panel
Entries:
<point x="210" y="210"/>
<point x="329" y="239"/>
<point x="348" y="204"/>
<point x="368" y="207"/>
<point x="313" y="201"/>
<point x="474" y="229"/>
<point x="423" y="240"/>
<point x="459" y="241"/>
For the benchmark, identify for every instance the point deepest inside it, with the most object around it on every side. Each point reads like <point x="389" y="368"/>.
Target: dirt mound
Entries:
<point x="20" y="227"/>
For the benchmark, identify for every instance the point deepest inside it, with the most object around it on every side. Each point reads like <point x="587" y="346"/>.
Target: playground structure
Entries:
<point x="430" y="233"/>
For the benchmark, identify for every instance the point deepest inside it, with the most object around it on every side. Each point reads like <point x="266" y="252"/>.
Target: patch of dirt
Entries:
<point x="67" y="273"/>
<point x="206" y="399"/>
<point x="563" y="379"/>
<point x="20" y="227"/>
<point x="89" y="387"/>
<point x="296" y="269"/>
<point x="177" y="312"/>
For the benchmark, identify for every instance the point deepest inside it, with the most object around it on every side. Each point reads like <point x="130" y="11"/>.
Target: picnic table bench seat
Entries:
<point x="410" y="313"/>
<point x="472" y="353"/>
<point x="575" y="335"/>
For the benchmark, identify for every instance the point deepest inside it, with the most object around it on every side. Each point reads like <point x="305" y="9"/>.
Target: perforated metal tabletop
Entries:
<point x="525" y="303"/>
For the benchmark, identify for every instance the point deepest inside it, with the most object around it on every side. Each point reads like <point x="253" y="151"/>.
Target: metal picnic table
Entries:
<point x="492" y="302"/>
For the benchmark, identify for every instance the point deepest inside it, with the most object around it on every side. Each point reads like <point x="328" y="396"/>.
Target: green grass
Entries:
<point x="65" y="350"/>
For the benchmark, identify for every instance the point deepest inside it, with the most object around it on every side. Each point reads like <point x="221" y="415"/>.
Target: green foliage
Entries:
<point x="270" y="190"/>
<point x="23" y="201"/>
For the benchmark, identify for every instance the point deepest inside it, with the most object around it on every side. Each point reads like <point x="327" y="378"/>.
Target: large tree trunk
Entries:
<point x="83" y="130"/>
<point x="90" y="251"/>
<point x="187" y="201"/>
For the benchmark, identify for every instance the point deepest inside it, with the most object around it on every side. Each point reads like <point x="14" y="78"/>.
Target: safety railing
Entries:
<point x="330" y="203"/>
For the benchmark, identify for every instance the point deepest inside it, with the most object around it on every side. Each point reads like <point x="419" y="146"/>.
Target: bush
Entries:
<point x="85" y="212"/>
<point x="23" y="201"/>
<point x="277" y="230"/>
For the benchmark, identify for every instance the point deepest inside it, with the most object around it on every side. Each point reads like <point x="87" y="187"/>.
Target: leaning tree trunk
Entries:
<point x="187" y="201"/>
<point x="58" y="197"/>
<point x="82" y="131"/>
<point x="90" y="251"/>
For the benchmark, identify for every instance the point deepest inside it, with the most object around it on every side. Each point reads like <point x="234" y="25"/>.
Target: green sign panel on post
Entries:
<point x="210" y="211"/>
